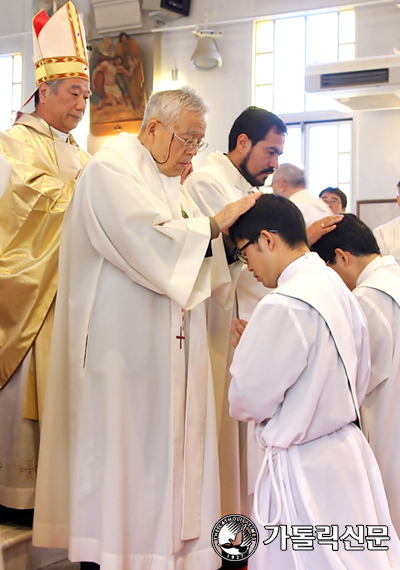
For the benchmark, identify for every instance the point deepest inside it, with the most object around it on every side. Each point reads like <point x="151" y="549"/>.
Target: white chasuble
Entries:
<point x="129" y="473"/>
<point x="305" y="343"/>
<point x="312" y="208"/>
<point x="217" y="183"/>
<point x="378" y="292"/>
<point x="388" y="238"/>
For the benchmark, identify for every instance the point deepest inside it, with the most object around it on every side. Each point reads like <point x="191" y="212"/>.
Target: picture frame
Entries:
<point x="118" y="98"/>
<point x="374" y="213"/>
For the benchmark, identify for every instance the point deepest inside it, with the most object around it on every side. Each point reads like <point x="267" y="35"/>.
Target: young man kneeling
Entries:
<point x="300" y="371"/>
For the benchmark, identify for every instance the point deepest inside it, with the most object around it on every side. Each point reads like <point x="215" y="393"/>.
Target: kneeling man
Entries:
<point x="300" y="371"/>
<point x="353" y="252"/>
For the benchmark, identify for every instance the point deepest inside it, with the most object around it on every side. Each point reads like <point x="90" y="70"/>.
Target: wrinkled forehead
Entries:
<point x="190" y="123"/>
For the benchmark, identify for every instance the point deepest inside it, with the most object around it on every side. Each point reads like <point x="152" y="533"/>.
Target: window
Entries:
<point x="11" y="91"/>
<point x="280" y="69"/>
<point x="283" y="48"/>
<point x="324" y="149"/>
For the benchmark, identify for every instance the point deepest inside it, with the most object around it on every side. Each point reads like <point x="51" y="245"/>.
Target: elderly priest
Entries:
<point x="128" y="477"/>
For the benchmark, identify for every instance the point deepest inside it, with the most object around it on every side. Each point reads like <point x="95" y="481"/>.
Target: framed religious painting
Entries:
<point x="118" y="98"/>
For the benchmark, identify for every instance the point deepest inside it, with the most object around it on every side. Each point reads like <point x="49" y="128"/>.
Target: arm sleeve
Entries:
<point x="205" y="191"/>
<point x="381" y="242"/>
<point x="270" y="357"/>
<point x="34" y="192"/>
<point x="310" y="213"/>
<point x="134" y="230"/>
<point x="380" y="337"/>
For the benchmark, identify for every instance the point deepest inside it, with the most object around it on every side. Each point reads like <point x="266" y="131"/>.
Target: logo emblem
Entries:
<point x="234" y="537"/>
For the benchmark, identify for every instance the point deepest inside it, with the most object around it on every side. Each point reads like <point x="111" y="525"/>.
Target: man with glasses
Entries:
<point x="135" y="481"/>
<point x="335" y="198"/>
<point x="301" y="371"/>
<point x="255" y="142"/>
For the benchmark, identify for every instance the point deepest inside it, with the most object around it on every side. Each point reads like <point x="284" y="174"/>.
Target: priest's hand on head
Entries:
<point x="228" y="216"/>
<point x="237" y="328"/>
<point x="322" y="227"/>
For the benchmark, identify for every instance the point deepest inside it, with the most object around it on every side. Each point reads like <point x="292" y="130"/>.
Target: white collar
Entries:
<point x="60" y="134"/>
<point x="374" y="265"/>
<point x="309" y="258"/>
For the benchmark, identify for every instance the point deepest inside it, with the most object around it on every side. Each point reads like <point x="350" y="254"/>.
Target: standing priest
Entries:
<point x="42" y="160"/>
<point x="255" y="141"/>
<point x="128" y="477"/>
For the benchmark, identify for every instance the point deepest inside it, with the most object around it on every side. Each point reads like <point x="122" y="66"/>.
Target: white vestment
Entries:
<point x="378" y="292"/>
<point x="304" y="347"/>
<point x="312" y="208"/>
<point x="129" y="473"/>
<point x="388" y="238"/>
<point x="217" y="183"/>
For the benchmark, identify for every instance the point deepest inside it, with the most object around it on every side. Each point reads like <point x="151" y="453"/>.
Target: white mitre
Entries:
<point x="59" y="45"/>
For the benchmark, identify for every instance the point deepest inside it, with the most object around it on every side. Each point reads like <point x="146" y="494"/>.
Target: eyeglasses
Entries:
<point x="242" y="256"/>
<point x="187" y="144"/>
<point x="331" y="200"/>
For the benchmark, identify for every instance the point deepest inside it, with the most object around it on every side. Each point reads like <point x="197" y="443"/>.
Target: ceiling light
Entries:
<point x="206" y="54"/>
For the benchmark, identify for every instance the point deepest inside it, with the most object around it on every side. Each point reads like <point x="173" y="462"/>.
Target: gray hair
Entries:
<point x="53" y="88"/>
<point x="54" y="85"/>
<point x="166" y="106"/>
<point x="291" y="174"/>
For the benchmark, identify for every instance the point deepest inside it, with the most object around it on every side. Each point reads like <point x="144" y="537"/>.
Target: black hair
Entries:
<point x="352" y="235"/>
<point x="338" y="192"/>
<point x="271" y="212"/>
<point x="256" y="124"/>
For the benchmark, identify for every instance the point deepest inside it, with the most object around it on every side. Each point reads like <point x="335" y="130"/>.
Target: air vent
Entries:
<point x="354" y="78"/>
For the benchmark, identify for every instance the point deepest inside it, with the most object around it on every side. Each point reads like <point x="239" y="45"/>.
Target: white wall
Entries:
<point x="378" y="152"/>
<point x="227" y="89"/>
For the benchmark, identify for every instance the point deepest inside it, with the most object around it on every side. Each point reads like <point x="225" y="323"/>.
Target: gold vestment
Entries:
<point x="43" y="172"/>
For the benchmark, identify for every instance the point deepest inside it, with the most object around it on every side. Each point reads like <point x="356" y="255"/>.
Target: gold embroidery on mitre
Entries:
<point x="76" y="30"/>
<point x="51" y="68"/>
<point x="73" y="64"/>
